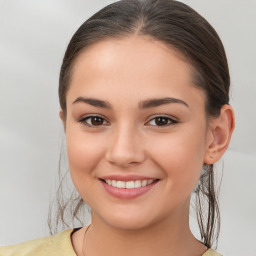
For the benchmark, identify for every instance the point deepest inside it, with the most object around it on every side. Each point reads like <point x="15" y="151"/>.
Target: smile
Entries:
<point x="128" y="184"/>
<point x="128" y="189"/>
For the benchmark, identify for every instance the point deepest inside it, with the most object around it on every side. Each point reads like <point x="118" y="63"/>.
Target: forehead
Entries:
<point x="143" y="52"/>
<point x="134" y="67"/>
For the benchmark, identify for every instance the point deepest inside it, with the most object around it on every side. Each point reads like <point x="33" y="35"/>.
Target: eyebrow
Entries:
<point x="149" y="103"/>
<point x="94" y="102"/>
<point x="158" y="102"/>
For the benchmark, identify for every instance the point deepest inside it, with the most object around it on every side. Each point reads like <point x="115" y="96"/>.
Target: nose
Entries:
<point x="125" y="148"/>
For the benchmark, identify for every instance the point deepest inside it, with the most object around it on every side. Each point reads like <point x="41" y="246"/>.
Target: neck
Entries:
<point x="171" y="236"/>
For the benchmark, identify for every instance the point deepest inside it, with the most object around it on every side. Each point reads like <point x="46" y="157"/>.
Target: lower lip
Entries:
<point x="130" y="193"/>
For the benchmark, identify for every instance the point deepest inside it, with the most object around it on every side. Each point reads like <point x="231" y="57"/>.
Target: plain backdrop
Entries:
<point x="33" y="38"/>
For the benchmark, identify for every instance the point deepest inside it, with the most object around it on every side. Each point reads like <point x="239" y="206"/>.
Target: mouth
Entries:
<point x="131" y="184"/>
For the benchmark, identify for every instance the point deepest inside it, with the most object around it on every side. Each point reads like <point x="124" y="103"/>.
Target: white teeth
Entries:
<point x="149" y="182"/>
<point x="137" y="184"/>
<point x="113" y="183"/>
<point x="144" y="183"/>
<point x="120" y="184"/>
<point x="129" y="184"/>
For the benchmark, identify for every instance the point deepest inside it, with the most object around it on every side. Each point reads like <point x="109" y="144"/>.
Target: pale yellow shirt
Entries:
<point x="56" y="245"/>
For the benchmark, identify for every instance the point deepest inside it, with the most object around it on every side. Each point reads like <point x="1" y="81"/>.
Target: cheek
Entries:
<point x="181" y="158"/>
<point x="84" y="155"/>
<point x="84" y="152"/>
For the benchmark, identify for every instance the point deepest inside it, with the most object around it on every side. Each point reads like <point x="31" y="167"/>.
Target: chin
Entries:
<point x="129" y="224"/>
<point x="127" y="221"/>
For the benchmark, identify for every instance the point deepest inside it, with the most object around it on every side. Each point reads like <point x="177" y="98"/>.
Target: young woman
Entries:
<point x="144" y="92"/>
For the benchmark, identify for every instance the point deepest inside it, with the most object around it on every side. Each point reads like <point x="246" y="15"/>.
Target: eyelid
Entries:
<point x="172" y="119"/>
<point x="83" y="119"/>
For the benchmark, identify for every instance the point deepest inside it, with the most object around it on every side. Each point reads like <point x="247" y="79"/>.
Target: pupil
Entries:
<point x="96" y="120"/>
<point x="161" y="121"/>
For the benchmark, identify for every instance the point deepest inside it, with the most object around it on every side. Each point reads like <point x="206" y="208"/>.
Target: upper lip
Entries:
<point x="126" y="177"/>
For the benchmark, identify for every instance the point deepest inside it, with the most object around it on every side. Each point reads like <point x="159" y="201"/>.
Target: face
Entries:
<point x="135" y="117"/>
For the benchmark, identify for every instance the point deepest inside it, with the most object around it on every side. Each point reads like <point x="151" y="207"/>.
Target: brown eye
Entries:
<point x="96" y="120"/>
<point x="162" y="121"/>
<point x="93" y="121"/>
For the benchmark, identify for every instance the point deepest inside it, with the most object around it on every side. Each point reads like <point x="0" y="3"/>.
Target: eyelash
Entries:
<point x="171" y="121"/>
<point x="84" y="121"/>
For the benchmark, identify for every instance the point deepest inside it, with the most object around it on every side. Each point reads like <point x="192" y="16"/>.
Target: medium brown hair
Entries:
<point x="183" y="29"/>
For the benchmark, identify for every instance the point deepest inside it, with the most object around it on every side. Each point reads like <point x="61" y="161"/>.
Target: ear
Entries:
<point x="219" y="134"/>
<point x="63" y="119"/>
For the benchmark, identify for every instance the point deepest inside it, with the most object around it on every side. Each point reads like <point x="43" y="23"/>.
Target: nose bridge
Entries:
<point x="126" y="145"/>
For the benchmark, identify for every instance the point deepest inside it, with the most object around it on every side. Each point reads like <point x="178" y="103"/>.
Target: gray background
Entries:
<point x="33" y="38"/>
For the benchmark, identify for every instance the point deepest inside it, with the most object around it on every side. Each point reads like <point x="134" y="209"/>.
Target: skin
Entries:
<point x="125" y="72"/>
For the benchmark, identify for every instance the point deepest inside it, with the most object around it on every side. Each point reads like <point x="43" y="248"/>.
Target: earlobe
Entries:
<point x="221" y="129"/>
<point x="62" y="117"/>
